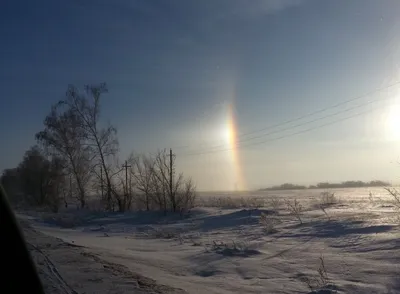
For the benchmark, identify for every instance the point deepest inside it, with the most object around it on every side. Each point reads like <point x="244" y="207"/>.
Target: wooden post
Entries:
<point x="171" y="179"/>
<point x="126" y="176"/>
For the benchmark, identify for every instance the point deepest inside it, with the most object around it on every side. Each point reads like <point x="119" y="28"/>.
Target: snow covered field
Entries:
<point x="228" y="250"/>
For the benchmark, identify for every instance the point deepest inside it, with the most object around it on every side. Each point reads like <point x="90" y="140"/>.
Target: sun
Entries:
<point x="227" y="134"/>
<point x="230" y="134"/>
<point x="393" y="123"/>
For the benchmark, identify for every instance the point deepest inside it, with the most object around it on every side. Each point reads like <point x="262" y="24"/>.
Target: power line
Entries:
<point x="303" y="123"/>
<point x="284" y="136"/>
<point x="323" y="109"/>
<point x="305" y="116"/>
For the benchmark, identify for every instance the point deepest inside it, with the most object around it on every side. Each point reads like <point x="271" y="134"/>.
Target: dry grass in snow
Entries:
<point x="262" y="242"/>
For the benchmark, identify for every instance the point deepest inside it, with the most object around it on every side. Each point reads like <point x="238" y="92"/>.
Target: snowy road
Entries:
<point x="68" y="269"/>
<point x="358" y="240"/>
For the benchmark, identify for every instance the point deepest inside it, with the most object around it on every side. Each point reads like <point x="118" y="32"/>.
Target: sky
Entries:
<point x="216" y="81"/>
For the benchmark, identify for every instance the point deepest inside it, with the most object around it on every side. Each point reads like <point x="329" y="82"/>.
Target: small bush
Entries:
<point x="395" y="194"/>
<point x="395" y="197"/>
<point x="160" y="233"/>
<point x="195" y="239"/>
<point x="371" y="197"/>
<point x="241" y="248"/>
<point x="320" y="281"/>
<point x="328" y="198"/>
<point x="268" y="223"/>
<point x="275" y="203"/>
<point x="323" y="208"/>
<point x="228" y="202"/>
<point x="295" y="209"/>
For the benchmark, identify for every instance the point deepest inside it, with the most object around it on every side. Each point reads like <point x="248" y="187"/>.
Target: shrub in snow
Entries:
<point x="196" y="243"/>
<point x="320" y="282"/>
<point x="160" y="233"/>
<point x="323" y="208"/>
<point x="328" y="199"/>
<point x="395" y="197"/>
<point x="275" y="203"/>
<point x="395" y="194"/>
<point x="228" y="202"/>
<point x="234" y="248"/>
<point x="295" y="209"/>
<point x="268" y="223"/>
<point x="371" y="197"/>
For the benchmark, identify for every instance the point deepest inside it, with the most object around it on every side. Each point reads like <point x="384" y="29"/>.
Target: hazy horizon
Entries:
<point x="307" y="185"/>
<point x="217" y="81"/>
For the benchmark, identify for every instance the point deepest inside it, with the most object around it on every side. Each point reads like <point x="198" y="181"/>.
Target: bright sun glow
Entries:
<point x="393" y="123"/>
<point x="230" y="134"/>
<point x="227" y="134"/>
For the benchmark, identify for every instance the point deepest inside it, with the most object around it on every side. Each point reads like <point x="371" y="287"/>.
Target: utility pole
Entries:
<point x="171" y="177"/>
<point x="130" y="183"/>
<point x="126" y="176"/>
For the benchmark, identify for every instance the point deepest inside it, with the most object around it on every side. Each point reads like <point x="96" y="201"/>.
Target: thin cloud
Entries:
<point x="257" y="8"/>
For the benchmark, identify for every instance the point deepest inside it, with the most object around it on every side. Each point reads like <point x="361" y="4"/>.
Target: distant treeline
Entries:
<point x="326" y="185"/>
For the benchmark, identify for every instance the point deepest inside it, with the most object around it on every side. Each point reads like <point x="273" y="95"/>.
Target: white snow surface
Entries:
<point x="358" y="238"/>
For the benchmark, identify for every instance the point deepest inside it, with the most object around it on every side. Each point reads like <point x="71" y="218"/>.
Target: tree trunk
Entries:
<point x="83" y="202"/>
<point x="147" y="202"/>
<point x="81" y="189"/>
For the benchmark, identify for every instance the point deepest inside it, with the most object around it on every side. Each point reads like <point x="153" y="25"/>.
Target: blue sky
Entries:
<point x="172" y="68"/>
